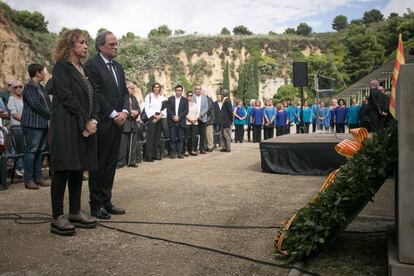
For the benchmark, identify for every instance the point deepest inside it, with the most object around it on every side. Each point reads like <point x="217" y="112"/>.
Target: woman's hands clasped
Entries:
<point x="90" y="129"/>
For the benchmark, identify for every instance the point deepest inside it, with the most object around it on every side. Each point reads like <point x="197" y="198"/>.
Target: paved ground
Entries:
<point x="217" y="188"/>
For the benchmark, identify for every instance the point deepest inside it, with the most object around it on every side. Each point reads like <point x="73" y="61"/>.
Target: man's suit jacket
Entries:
<point x="110" y="95"/>
<point x="226" y="113"/>
<point x="182" y="110"/>
<point x="131" y="124"/>
<point x="203" y="107"/>
<point x="36" y="107"/>
<point x="377" y="101"/>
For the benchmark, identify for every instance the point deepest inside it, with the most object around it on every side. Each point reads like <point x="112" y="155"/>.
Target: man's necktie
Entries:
<point x="112" y="69"/>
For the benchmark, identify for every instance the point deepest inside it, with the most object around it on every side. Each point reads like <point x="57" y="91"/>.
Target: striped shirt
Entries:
<point x="36" y="106"/>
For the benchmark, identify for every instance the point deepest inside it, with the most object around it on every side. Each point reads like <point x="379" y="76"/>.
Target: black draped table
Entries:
<point x="302" y="154"/>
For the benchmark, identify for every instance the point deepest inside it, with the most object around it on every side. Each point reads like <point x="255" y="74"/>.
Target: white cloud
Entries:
<point x="205" y="17"/>
<point x="398" y="6"/>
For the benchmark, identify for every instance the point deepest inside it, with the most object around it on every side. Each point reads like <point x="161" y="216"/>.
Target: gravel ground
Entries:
<point x="217" y="188"/>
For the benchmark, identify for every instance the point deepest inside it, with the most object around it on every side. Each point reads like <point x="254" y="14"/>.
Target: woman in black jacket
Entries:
<point x="73" y="128"/>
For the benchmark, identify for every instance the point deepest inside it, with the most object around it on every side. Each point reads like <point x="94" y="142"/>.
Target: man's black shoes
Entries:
<point x="114" y="210"/>
<point x="100" y="213"/>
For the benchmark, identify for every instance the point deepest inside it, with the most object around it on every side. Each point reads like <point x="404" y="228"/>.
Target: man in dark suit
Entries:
<point x="377" y="107"/>
<point x="35" y="118"/>
<point x="217" y="121"/>
<point x="128" y="148"/>
<point x="108" y="80"/>
<point x="202" y="104"/>
<point x="226" y="120"/>
<point x="177" y="110"/>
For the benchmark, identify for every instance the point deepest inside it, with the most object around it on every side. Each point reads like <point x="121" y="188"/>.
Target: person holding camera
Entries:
<point x="153" y="106"/>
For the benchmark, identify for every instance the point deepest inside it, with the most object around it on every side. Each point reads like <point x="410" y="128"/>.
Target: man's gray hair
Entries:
<point x="101" y="39"/>
<point x="224" y="92"/>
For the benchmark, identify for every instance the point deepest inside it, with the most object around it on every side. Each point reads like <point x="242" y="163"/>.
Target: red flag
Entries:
<point x="399" y="59"/>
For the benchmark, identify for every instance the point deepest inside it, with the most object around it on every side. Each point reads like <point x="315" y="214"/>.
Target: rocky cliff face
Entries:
<point x="214" y="60"/>
<point x="198" y="59"/>
<point x="15" y="55"/>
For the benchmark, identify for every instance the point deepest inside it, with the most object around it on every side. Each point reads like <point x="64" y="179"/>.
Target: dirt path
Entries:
<point x="217" y="188"/>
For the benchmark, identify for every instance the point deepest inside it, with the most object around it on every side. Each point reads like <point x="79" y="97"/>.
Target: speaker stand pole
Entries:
<point x="302" y="124"/>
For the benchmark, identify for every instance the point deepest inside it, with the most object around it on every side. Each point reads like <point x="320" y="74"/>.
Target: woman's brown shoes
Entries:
<point x="82" y="220"/>
<point x="62" y="226"/>
<point x="66" y="226"/>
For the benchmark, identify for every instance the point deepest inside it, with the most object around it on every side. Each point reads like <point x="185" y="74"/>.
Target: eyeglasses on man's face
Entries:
<point x="112" y="45"/>
<point x="18" y="87"/>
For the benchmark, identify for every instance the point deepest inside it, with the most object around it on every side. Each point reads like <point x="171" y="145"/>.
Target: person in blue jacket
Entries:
<point x="290" y="112"/>
<point x="269" y="119"/>
<point x="307" y="116"/>
<point x="257" y="121"/>
<point x="353" y="114"/>
<point x="323" y="119"/>
<point x="315" y="107"/>
<point x="249" y="115"/>
<point x="297" y="120"/>
<point x="240" y="115"/>
<point x="341" y="112"/>
<point x="281" y="121"/>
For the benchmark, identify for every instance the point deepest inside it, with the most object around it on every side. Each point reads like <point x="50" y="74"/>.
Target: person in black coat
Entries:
<point x="226" y="120"/>
<point x="376" y="104"/>
<point x="177" y="110"/>
<point x="217" y="121"/>
<point x="364" y="114"/>
<point x="108" y="80"/>
<point x="73" y="128"/>
<point x="128" y="149"/>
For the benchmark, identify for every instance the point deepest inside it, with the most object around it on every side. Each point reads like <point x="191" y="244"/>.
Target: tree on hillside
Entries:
<point x="392" y="15"/>
<point x="129" y="36"/>
<point x="241" y="84"/>
<point x="151" y="81"/>
<point x="162" y="30"/>
<point x="356" y="22"/>
<point x="363" y="52"/>
<point x="248" y="83"/>
<point x="392" y="27"/>
<point x="179" y="32"/>
<point x="31" y="20"/>
<point x="372" y="16"/>
<point x="303" y="29"/>
<point x="241" y="30"/>
<point x="63" y="30"/>
<point x="290" y="31"/>
<point x="284" y="92"/>
<point x="272" y="33"/>
<point x="226" y="77"/>
<point x="225" y="31"/>
<point x="101" y="30"/>
<point x="340" y="22"/>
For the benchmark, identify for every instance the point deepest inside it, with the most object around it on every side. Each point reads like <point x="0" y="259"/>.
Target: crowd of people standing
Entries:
<point x="89" y="117"/>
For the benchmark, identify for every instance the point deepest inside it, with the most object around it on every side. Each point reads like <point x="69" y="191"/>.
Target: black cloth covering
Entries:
<point x="296" y="154"/>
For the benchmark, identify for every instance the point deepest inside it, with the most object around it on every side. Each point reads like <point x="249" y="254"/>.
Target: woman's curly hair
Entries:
<point x="66" y="43"/>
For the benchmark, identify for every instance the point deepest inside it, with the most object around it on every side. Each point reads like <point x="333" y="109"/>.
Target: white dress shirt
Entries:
<point x="198" y="99"/>
<point x="153" y="104"/>
<point x="177" y="105"/>
<point x="111" y="68"/>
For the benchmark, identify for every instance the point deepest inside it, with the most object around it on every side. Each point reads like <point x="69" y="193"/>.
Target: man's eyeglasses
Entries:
<point x="178" y="90"/>
<point x="19" y="86"/>
<point x="115" y="44"/>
